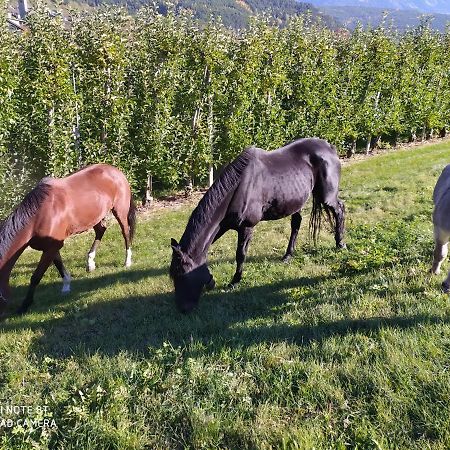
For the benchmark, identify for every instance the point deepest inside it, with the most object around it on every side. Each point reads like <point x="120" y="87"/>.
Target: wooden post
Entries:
<point x="211" y="175"/>
<point x="76" y="126"/>
<point x="148" y="199"/>
<point x="369" y="139"/>
<point x="23" y="8"/>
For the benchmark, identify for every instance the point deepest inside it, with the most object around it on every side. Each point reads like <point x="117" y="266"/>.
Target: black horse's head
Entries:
<point x="188" y="278"/>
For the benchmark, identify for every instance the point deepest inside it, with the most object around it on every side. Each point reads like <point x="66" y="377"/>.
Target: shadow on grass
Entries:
<point x="135" y="323"/>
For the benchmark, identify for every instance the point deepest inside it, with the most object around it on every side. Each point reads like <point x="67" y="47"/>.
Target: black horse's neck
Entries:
<point x="202" y="228"/>
<point x="205" y="220"/>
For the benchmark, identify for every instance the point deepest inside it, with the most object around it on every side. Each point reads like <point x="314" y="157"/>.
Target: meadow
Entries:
<point x="338" y="349"/>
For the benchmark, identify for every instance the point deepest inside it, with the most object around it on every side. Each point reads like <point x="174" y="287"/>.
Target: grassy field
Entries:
<point x="346" y="349"/>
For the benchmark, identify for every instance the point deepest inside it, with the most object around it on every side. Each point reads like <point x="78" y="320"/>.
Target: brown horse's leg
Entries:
<point x="244" y="237"/>
<point x="296" y="220"/>
<point x="122" y="218"/>
<point x="65" y="275"/>
<point x="46" y="259"/>
<point x="5" y="274"/>
<point x="99" y="229"/>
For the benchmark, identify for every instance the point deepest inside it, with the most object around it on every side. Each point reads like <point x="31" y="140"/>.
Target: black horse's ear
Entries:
<point x="175" y="245"/>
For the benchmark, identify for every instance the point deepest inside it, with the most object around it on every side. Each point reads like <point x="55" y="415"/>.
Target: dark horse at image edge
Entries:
<point x="58" y="208"/>
<point x="257" y="185"/>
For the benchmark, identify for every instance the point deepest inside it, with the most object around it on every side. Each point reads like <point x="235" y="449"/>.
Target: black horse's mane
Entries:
<point x="21" y="216"/>
<point x="211" y="201"/>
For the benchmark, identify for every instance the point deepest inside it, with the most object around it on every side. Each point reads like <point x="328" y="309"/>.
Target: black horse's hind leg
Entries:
<point x="440" y="253"/>
<point x="244" y="237"/>
<point x="65" y="275"/>
<point x="296" y="220"/>
<point x="338" y="211"/>
<point x="99" y="229"/>
<point x="47" y="258"/>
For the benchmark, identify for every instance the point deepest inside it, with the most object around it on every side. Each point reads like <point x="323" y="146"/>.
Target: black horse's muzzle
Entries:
<point x="189" y="286"/>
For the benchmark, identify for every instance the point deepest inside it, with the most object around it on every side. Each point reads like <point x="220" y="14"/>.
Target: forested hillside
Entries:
<point x="233" y="13"/>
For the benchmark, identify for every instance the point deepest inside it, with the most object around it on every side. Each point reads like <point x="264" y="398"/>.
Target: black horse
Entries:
<point x="257" y="185"/>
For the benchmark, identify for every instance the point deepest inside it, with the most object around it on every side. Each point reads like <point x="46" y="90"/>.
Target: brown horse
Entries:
<point x="58" y="208"/>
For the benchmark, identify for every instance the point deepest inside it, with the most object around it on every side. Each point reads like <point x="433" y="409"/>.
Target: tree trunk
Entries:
<point x="369" y="139"/>
<point x="188" y="188"/>
<point x="351" y="150"/>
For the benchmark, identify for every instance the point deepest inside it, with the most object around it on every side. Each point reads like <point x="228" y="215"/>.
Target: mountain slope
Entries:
<point x="425" y="6"/>
<point x="351" y="16"/>
<point x="234" y="13"/>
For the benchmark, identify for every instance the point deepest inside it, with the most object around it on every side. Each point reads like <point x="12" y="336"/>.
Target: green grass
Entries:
<point x="345" y="349"/>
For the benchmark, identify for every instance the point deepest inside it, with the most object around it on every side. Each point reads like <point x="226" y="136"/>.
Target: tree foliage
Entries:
<point x="160" y="94"/>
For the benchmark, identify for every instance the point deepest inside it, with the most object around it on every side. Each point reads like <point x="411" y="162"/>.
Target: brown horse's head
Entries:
<point x="188" y="278"/>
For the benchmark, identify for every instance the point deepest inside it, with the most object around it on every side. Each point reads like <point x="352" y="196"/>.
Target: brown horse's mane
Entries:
<point x="212" y="200"/>
<point x="21" y="216"/>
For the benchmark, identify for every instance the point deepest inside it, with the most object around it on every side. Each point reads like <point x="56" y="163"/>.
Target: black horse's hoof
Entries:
<point x="445" y="287"/>
<point x="21" y="311"/>
<point x="286" y="259"/>
<point x="341" y="246"/>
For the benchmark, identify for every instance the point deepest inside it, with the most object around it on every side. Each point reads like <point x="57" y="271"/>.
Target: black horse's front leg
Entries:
<point x="244" y="237"/>
<point x="338" y="211"/>
<point x="296" y="220"/>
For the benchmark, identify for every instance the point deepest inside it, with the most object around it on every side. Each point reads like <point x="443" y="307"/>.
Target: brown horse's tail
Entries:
<point x="132" y="218"/>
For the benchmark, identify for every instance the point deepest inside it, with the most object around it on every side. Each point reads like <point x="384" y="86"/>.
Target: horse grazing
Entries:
<point x="441" y="222"/>
<point x="58" y="208"/>
<point x="257" y="185"/>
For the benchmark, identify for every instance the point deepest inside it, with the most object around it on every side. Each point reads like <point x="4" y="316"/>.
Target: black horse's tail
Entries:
<point x="132" y="218"/>
<point x="325" y="194"/>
